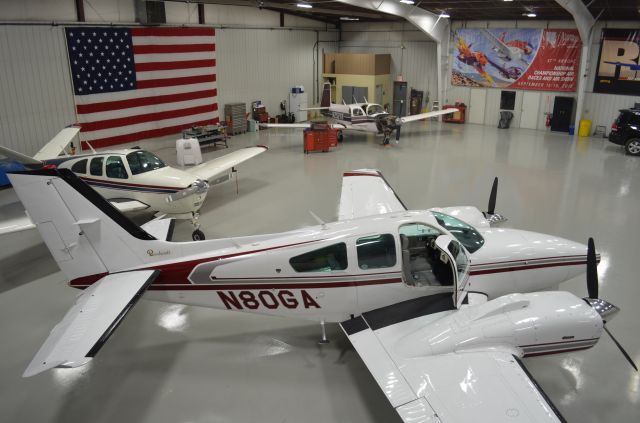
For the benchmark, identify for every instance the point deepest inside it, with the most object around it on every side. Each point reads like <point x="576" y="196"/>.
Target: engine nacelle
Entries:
<point x="528" y="324"/>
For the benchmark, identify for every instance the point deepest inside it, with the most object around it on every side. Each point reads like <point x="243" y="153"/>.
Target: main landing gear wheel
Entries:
<point x="197" y="235"/>
<point x="340" y="137"/>
<point x="632" y="146"/>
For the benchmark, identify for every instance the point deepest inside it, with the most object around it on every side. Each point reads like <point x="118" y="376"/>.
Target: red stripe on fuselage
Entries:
<point x="525" y="267"/>
<point x="177" y="273"/>
<point x="110" y="181"/>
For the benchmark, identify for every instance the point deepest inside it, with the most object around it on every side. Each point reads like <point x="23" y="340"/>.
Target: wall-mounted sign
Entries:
<point x="527" y="59"/>
<point x="618" y="64"/>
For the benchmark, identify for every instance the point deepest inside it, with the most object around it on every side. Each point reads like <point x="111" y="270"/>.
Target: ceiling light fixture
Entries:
<point x="304" y="5"/>
<point x="407" y="1"/>
<point x="347" y="18"/>
<point x="445" y="15"/>
<point x="530" y="14"/>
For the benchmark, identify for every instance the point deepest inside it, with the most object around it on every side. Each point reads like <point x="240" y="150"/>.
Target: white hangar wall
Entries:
<point x="413" y="53"/>
<point x="257" y="60"/>
<point x="601" y="109"/>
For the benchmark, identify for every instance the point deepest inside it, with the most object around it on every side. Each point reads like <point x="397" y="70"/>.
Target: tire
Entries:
<point x="340" y="137"/>
<point x="632" y="146"/>
<point x="197" y="235"/>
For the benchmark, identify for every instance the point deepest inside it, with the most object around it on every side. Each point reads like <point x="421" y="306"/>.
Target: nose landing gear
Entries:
<point x="197" y="234"/>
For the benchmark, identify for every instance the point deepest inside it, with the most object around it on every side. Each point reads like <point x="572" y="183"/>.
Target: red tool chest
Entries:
<point x="320" y="137"/>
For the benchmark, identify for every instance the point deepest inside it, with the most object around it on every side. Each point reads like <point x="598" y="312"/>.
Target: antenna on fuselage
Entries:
<point x="320" y="221"/>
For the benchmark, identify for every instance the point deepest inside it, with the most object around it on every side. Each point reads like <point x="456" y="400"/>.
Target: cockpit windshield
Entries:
<point x="466" y="234"/>
<point x="143" y="161"/>
<point x="374" y="109"/>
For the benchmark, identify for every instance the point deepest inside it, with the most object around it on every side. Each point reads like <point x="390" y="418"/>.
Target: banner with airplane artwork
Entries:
<point x="517" y="58"/>
<point x="619" y="62"/>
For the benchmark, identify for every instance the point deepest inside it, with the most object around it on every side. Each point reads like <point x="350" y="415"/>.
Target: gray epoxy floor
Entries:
<point x="170" y="363"/>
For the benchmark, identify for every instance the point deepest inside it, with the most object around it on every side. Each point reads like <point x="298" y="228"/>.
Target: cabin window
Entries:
<point x="463" y="232"/>
<point x="327" y="259"/>
<point x="460" y="258"/>
<point x="80" y="166"/>
<point x="115" y="168"/>
<point x="374" y="109"/>
<point x="95" y="168"/>
<point x="357" y="111"/>
<point x="376" y="251"/>
<point x="143" y="161"/>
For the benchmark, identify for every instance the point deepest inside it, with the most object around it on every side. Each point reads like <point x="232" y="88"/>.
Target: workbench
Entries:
<point x="207" y="135"/>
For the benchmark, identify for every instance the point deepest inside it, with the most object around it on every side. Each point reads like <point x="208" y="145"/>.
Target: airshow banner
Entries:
<point x="526" y="59"/>
<point x="618" y="68"/>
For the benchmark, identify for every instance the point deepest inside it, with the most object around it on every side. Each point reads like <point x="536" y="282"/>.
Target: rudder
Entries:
<point x="84" y="232"/>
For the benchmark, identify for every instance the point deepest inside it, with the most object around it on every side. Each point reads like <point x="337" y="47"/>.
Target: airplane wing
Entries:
<point x="302" y="125"/>
<point x="365" y="192"/>
<point x="428" y="115"/>
<point x="57" y="144"/>
<point x="286" y="125"/>
<point x="491" y="385"/>
<point x="209" y="170"/>
<point x="88" y="324"/>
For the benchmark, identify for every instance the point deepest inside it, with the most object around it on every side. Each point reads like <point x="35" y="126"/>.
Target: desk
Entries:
<point x="207" y="135"/>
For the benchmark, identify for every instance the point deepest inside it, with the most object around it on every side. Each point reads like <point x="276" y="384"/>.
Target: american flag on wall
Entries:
<point x="137" y="83"/>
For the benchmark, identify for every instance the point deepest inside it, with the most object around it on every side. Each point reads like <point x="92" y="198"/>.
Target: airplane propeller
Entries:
<point x="605" y="309"/>
<point x="491" y="214"/>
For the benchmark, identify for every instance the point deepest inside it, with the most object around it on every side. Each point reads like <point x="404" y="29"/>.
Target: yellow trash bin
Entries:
<point x="585" y="128"/>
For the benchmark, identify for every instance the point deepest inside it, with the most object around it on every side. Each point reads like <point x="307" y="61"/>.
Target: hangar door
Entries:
<point x="530" y="104"/>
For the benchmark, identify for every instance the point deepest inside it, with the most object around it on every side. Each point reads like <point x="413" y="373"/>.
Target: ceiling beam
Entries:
<point x="293" y="8"/>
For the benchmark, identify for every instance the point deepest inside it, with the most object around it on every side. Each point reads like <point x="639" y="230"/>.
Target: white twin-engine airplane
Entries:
<point x="415" y="290"/>
<point x="363" y="117"/>
<point x="134" y="179"/>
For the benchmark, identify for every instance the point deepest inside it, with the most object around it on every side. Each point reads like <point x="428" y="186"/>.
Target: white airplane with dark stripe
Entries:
<point x="133" y="179"/>
<point x="432" y="303"/>
<point x="363" y="117"/>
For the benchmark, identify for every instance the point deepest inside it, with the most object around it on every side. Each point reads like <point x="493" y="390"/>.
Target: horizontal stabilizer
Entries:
<point x="92" y="319"/>
<point x="126" y="206"/>
<point x="160" y="228"/>
<point x="56" y="146"/>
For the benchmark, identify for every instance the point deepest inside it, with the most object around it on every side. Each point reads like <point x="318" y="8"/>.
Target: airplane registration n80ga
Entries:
<point x="134" y="179"/>
<point x="411" y="289"/>
<point x="362" y="117"/>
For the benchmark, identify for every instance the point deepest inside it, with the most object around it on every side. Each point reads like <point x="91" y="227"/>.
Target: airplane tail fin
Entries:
<point x="326" y="95"/>
<point x="86" y="235"/>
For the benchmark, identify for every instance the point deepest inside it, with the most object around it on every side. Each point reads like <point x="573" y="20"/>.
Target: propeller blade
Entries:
<point x="592" y="270"/>
<point x="622" y="350"/>
<point x="398" y="133"/>
<point x="492" y="197"/>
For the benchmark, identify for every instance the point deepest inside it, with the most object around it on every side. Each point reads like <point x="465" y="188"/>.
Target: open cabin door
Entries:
<point x="454" y="254"/>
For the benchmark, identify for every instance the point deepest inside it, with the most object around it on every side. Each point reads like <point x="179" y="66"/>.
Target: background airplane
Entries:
<point x="364" y="117"/>
<point x="377" y="254"/>
<point x="131" y="179"/>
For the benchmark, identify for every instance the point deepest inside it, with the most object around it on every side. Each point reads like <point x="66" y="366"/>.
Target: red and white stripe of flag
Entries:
<point x="176" y="88"/>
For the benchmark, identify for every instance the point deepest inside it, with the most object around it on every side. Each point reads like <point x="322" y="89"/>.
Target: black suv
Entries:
<point x="625" y="131"/>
